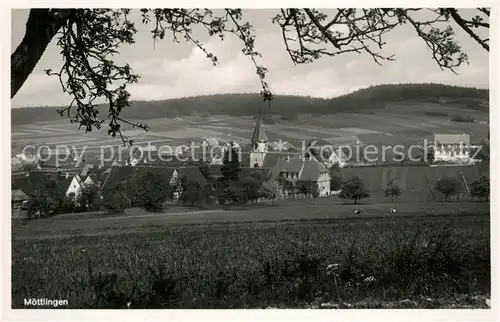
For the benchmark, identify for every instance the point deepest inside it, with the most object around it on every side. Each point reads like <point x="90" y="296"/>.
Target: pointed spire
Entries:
<point x="259" y="133"/>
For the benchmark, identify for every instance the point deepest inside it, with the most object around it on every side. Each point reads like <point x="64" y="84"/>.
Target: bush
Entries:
<point x="194" y="194"/>
<point x="309" y="188"/>
<point x="47" y="200"/>
<point x="480" y="188"/>
<point x="152" y="190"/>
<point x="87" y="198"/>
<point x="114" y="201"/>
<point x="448" y="187"/>
<point x="271" y="190"/>
<point x="393" y="190"/>
<point x="462" y="118"/>
<point x="353" y="189"/>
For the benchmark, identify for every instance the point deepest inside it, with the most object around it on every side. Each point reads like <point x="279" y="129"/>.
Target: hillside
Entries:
<point x="365" y="100"/>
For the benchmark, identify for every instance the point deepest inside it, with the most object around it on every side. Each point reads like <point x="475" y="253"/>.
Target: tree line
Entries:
<point x="288" y="106"/>
<point x="153" y="190"/>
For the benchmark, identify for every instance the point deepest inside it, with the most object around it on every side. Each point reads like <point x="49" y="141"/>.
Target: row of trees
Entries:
<point x="450" y="187"/>
<point x="355" y="190"/>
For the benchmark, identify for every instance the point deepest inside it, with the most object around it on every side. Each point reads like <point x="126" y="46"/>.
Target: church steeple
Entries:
<point x="259" y="133"/>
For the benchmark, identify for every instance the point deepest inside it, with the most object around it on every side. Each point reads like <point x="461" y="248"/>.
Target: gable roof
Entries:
<point x="311" y="170"/>
<point x="272" y="158"/>
<point x="162" y="171"/>
<point x="192" y="174"/>
<point x="308" y="170"/>
<point x="285" y="164"/>
<point x="18" y="195"/>
<point x="31" y="181"/>
<point x="247" y="172"/>
<point x="259" y="132"/>
<point x="116" y="175"/>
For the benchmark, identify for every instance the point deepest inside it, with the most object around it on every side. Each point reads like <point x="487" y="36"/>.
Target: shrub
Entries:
<point x="47" y="200"/>
<point x="152" y="190"/>
<point x="114" y="201"/>
<point x="287" y="185"/>
<point x="462" y="118"/>
<point x="231" y="167"/>
<point x="448" y="187"/>
<point x="393" y="190"/>
<point x="194" y="194"/>
<point x="353" y="189"/>
<point x="480" y="188"/>
<point x="271" y="190"/>
<point x="309" y="188"/>
<point x="87" y="198"/>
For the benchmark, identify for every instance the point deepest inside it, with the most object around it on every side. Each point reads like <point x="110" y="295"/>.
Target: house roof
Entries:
<point x="311" y="170"/>
<point x="452" y="139"/>
<point x="254" y="172"/>
<point x="18" y="195"/>
<point x="15" y="161"/>
<point x="307" y="169"/>
<point x="33" y="180"/>
<point x="116" y="175"/>
<point x="259" y="132"/>
<point x="86" y="168"/>
<point x="192" y="174"/>
<point x="272" y="158"/>
<point x="16" y="167"/>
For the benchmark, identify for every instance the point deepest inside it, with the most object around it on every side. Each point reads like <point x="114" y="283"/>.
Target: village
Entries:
<point x="278" y="165"/>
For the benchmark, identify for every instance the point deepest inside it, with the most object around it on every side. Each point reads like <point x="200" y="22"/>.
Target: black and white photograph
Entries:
<point x="267" y="159"/>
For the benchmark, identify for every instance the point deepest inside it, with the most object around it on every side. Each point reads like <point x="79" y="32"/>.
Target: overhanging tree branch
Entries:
<point x="89" y="38"/>
<point x="41" y="27"/>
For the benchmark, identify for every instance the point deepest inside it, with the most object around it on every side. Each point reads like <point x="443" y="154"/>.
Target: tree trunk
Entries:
<point x="41" y="27"/>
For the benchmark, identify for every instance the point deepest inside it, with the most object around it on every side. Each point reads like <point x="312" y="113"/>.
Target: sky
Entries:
<point x="172" y="70"/>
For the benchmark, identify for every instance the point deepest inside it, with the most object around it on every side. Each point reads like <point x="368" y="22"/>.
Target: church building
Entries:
<point x="260" y="145"/>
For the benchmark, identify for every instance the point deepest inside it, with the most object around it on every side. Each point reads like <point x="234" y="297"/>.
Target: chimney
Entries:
<point x="67" y="175"/>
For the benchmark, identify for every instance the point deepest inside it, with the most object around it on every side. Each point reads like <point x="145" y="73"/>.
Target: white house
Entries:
<point x="75" y="186"/>
<point x="451" y="147"/>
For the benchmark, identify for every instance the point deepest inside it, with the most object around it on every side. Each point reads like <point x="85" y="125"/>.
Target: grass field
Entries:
<point x="398" y="123"/>
<point x="220" y="260"/>
<point x="329" y="208"/>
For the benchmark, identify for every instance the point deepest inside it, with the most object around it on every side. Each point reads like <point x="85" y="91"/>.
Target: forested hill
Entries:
<point x="368" y="99"/>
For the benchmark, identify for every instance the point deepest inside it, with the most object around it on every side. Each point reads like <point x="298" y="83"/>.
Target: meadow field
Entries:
<point x="289" y="211"/>
<point x="397" y="123"/>
<point x="245" y="259"/>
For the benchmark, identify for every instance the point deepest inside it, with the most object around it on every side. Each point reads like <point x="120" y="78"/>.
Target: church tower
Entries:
<point x="259" y="144"/>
